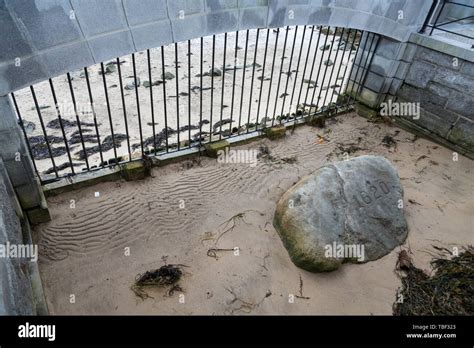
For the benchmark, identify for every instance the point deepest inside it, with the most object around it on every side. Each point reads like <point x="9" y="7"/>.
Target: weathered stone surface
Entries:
<point x="275" y="132"/>
<point x="365" y="111"/>
<point x="420" y="73"/>
<point x="15" y="289"/>
<point x="463" y="134"/>
<point x="132" y="171"/>
<point x="437" y="58"/>
<point x="212" y="149"/>
<point x="354" y="202"/>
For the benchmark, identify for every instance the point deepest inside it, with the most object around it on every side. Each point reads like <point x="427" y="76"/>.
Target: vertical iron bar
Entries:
<point x="63" y="132"/>
<point x="124" y="109"/>
<point x="319" y="71"/>
<point x="352" y="67"/>
<point x="271" y="78"/>
<point x="360" y="62"/>
<point x="365" y="69"/>
<point x="326" y="68"/>
<point x="211" y="128"/>
<point x="164" y="95"/>
<point x="332" y="70"/>
<point x="200" y="96"/>
<point x="289" y="73"/>
<point x="77" y="119"/>
<point x="26" y="137"/>
<point x="243" y="78"/>
<point x="345" y="69"/>
<point x="263" y="78"/>
<point x="44" y="130"/>
<point x="233" y="83"/>
<point x="223" y="81"/>
<point x="253" y="78"/>
<point x="151" y="100"/>
<point x="189" y="93"/>
<point x="281" y="71"/>
<point x="433" y="27"/>
<point x="138" y="102"/>
<point x="108" y="110"/>
<point x="95" y="116"/>
<point x="177" y="89"/>
<point x="296" y="75"/>
<point x="312" y="69"/>
<point x="305" y="66"/>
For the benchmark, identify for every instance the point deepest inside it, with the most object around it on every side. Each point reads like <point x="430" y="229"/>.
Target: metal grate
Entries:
<point x="185" y="94"/>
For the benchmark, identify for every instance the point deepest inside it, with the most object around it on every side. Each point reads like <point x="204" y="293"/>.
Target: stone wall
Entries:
<point x="16" y="294"/>
<point x="437" y="75"/>
<point x="444" y="86"/>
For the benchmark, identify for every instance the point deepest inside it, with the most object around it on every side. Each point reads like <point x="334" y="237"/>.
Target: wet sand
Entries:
<point x="82" y="250"/>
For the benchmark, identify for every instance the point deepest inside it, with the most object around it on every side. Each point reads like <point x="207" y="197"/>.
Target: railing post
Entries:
<point x="19" y="166"/>
<point x="432" y="10"/>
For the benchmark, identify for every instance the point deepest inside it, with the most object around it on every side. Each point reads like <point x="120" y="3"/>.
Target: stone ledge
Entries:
<point x="276" y="132"/>
<point x="453" y="48"/>
<point x="132" y="171"/>
<point x="212" y="149"/>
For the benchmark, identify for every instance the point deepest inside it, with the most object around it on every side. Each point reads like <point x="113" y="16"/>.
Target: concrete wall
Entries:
<point x="16" y="294"/>
<point x="45" y="38"/>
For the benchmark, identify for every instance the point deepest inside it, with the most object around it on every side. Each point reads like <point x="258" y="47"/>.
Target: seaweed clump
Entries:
<point x="164" y="276"/>
<point x="449" y="290"/>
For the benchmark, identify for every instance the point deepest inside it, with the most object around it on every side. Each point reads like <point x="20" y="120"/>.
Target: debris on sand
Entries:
<point x="227" y="226"/>
<point x="300" y="295"/>
<point x="388" y="141"/>
<point x="449" y="290"/>
<point x="164" y="276"/>
<point x="268" y="158"/>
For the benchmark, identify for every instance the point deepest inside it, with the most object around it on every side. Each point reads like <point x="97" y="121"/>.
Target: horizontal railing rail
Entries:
<point x="187" y="94"/>
<point x="436" y="12"/>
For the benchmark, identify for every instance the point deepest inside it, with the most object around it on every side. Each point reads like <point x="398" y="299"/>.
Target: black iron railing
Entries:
<point x="438" y="9"/>
<point x="108" y="114"/>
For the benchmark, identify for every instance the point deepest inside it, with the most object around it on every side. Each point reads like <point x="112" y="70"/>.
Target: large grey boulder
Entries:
<point x="349" y="211"/>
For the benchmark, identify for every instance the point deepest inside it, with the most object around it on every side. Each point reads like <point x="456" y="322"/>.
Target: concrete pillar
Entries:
<point x="18" y="164"/>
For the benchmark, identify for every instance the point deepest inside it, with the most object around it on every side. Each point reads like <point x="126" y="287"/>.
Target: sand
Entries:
<point x="83" y="250"/>
<point x="240" y="105"/>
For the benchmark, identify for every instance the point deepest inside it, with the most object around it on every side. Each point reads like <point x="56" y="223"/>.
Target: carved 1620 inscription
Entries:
<point x="373" y="193"/>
